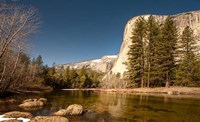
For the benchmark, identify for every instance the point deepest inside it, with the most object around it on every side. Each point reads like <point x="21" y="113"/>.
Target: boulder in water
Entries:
<point x="49" y="119"/>
<point x="18" y="114"/>
<point x="32" y="104"/>
<point x="61" y="112"/>
<point x="74" y="109"/>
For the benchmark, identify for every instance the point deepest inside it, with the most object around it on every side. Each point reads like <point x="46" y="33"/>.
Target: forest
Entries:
<point x="72" y="78"/>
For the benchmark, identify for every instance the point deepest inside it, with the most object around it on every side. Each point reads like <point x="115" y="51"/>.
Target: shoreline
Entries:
<point x="157" y="91"/>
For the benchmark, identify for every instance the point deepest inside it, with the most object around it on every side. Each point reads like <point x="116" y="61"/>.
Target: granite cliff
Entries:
<point x="191" y="19"/>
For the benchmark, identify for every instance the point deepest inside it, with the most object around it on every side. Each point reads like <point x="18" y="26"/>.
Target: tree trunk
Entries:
<point x="7" y="85"/>
<point x="4" y="70"/>
<point x="167" y="80"/>
<point x="148" y="77"/>
<point x="142" y="82"/>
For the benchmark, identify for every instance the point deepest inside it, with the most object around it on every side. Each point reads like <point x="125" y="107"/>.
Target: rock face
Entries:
<point x="191" y="19"/>
<point x="102" y="65"/>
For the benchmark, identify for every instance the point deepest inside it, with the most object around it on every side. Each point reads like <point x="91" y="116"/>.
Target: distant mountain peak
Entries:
<point x="103" y="64"/>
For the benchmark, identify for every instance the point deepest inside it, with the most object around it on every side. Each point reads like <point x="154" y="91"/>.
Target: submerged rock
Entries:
<point x="8" y="101"/>
<point x="18" y="114"/>
<point x="11" y="100"/>
<point x="32" y="104"/>
<point x="61" y="112"/>
<point x="12" y="120"/>
<point x="29" y="103"/>
<point x="49" y="119"/>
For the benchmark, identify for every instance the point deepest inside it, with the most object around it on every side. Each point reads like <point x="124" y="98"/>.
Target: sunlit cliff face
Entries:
<point x="191" y="19"/>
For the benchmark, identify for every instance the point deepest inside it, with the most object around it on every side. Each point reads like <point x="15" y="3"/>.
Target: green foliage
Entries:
<point x="152" y="72"/>
<point x="187" y="73"/>
<point x="169" y="36"/>
<point x="72" y="78"/>
<point x="135" y="64"/>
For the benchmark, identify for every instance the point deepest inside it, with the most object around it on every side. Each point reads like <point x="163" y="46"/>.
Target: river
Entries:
<point x="113" y="107"/>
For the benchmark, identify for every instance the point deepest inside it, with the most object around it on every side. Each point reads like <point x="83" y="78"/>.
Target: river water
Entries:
<point x="114" y="107"/>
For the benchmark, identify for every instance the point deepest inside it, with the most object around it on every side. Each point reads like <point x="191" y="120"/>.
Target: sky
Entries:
<point x="79" y="30"/>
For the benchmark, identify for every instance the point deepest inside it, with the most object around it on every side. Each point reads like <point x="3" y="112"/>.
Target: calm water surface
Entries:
<point x="107" y="107"/>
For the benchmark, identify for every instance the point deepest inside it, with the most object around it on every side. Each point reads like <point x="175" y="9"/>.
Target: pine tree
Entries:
<point x="153" y="31"/>
<point x="188" y="67"/>
<point x="39" y="61"/>
<point x="135" y="64"/>
<point x="168" y="49"/>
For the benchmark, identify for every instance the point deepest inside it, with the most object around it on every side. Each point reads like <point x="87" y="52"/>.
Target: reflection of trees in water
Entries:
<point x="143" y="99"/>
<point x="63" y="99"/>
<point x="114" y="103"/>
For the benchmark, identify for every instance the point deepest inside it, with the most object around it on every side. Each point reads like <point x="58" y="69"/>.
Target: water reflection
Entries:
<point x="106" y="107"/>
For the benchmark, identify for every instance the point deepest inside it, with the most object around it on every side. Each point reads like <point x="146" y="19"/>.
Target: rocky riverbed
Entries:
<point x="17" y="116"/>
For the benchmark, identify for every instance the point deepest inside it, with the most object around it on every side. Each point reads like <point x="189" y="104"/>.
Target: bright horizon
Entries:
<point x="74" y="31"/>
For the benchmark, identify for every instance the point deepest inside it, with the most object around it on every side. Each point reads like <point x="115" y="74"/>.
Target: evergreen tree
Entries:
<point x="153" y="31"/>
<point x="39" y="61"/>
<point x="135" y="63"/>
<point x="168" y="46"/>
<point x="188" y="69"/>
<point x="187" y="43"/>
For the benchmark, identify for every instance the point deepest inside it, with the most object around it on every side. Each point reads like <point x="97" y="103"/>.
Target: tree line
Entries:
<point x="71" y="78"/>
<point x="159" y="56"/>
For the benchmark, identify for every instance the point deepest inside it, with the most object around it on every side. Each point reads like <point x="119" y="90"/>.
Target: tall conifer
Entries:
<point x="188" y="68"/>
<point x="153" y="32"/>
<point x="135" y="64"/>
<point x="168" y="45"/>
